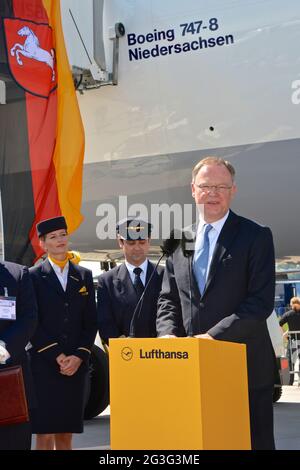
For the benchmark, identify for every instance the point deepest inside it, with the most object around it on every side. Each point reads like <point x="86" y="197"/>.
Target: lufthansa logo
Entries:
<point x="127" y="354"/>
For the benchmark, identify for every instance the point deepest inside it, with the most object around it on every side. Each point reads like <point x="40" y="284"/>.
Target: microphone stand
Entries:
<point x="168" y="247"/>
<point x="139" y="305"/>
<point x="188" y="254"/>
<point x="190" y="296"/>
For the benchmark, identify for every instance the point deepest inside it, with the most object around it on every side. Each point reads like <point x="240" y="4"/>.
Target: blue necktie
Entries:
<point x="201" y="260"/>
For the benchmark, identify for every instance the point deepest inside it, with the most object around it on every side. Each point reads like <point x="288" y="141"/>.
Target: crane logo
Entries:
<point x="31" y="60"/>
<point x="127" y="354"/>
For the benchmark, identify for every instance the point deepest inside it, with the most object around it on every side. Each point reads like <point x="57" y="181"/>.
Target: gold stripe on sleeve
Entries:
<point x="47" y="347"/>
<point x="85" y="349"/>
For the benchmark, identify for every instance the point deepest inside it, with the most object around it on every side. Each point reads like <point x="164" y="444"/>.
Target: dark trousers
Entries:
<point x="15" y="437"/>
<point x="261" y="419"/>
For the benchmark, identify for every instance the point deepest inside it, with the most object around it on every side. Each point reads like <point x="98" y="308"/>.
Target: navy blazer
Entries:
<point x="238" y="297"/>
<point x="17" y="333"/>
<point x="67" y="319"/>
<point x="117" y="299"/>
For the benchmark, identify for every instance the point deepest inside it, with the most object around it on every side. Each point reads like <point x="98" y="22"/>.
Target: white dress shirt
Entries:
<point x="62" y="275"/>
<point x="143" y="274"/>
<point x="213" y="236"/>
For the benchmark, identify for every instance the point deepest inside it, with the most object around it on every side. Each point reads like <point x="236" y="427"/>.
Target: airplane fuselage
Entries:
<point x="196" y="78"/>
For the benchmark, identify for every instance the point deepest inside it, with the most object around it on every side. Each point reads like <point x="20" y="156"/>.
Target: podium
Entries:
<point x="179" y="394"/>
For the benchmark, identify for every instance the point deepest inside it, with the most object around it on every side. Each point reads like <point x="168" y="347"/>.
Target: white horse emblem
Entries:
<point x="31" y="49"/>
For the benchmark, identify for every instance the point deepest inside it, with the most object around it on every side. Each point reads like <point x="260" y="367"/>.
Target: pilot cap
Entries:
<point x="50" y="225"/>
<point x="134" y="229"/>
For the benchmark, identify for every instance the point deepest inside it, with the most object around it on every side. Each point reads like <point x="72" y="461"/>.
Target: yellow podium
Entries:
<point x="178" y="394"/>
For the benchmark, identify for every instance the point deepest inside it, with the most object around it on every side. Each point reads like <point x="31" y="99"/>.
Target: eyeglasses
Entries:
<point x="218" y="188"/>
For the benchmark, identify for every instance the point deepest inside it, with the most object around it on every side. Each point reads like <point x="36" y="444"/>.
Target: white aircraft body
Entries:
<point x="195" y="78"/>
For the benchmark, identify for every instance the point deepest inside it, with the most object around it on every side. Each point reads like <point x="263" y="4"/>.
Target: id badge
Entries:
<point x="7" y="308"/>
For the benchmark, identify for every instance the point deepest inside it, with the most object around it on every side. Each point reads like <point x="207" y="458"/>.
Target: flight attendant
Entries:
<point x="61" y="346"/>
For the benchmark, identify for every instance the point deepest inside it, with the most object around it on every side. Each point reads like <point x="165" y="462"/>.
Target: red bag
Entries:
<point x="13" y="403"/>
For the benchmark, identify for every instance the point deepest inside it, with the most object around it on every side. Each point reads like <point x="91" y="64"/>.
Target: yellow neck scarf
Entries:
<point x="73" y="256"/>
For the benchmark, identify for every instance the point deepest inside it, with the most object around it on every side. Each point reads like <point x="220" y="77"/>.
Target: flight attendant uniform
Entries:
<point x="66" y="324"/>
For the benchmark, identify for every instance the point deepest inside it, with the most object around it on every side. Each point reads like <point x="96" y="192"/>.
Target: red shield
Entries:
<point x="31" y="55"/>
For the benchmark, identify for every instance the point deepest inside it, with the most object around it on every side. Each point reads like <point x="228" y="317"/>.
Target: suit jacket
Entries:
<point x="17" y="333"/>
<point x="67" y="319"/>
<point x="238" y="297"/>
<point x="117" y="299"/>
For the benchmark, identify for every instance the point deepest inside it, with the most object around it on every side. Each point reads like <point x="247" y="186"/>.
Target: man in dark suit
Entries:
<point x="14" y="336"/>
<point x="120" y="289"/>
<point x="229" y="263"/>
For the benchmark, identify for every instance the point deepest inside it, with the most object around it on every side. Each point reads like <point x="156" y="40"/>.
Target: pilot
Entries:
<point x="124" y="306"/>
<point x="61" y="346"/>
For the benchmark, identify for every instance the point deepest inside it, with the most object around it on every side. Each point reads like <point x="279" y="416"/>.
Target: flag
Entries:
<point x="41" y="132"/>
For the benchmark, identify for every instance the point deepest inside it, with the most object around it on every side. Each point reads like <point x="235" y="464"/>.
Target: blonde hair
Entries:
<point x="213" y="161"/>
<point x="295" y="303"/>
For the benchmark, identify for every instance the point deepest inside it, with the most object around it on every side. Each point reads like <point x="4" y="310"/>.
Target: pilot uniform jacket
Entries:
<point x="16" y="334"/>
<point x="238" y="296"/>
<point x="67" y="323"/>
<point x="117" y="299"/>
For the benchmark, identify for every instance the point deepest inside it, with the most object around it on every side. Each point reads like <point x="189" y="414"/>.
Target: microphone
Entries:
<point x="188" y="248"/>
<point x="168" y="247"/>
<point x="170" y="244"/>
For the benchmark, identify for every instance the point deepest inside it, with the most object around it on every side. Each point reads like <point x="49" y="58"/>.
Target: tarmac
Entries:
<point x="287" y="419"/>
<point x="96" y="435"/>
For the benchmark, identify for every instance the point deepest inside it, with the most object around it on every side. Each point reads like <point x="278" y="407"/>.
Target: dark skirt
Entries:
<point x="60" y="399"/>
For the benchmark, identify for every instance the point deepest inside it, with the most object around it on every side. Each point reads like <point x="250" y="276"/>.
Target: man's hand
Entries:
<point x="70" y="365"/>
<point x="168" y="336"/>
<point x="4" y="355"/>
<point x="204" y="336"/>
